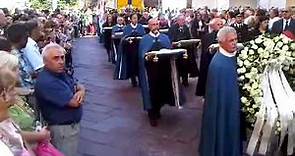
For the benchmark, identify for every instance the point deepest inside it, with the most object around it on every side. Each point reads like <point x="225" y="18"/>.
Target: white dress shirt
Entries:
<point x="272" y="21"/>
<point x="32" y="53"/>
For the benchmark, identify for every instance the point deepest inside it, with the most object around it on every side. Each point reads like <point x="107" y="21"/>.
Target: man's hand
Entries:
<point x="79" y="96"/>
<point x="44" y="134"/>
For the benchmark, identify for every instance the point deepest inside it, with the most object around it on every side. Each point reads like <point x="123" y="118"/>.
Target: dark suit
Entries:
<point x="188" y="66"/>
<point x="242" y="32"/>
<point x="194" y="29"/>
<point x="277" y="27"/>
<point x="206" y="58"/>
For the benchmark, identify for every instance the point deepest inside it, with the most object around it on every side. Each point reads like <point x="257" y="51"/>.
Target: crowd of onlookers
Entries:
<point x="36" y="72"/>
<point x="40" y="101"/>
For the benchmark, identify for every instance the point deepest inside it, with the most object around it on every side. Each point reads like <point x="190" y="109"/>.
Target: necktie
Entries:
<point x="286" y="25"/>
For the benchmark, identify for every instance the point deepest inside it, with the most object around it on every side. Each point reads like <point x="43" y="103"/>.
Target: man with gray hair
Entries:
<point x="221" y="116"/>
<point x="206" y="55"/>
<point x="60" y="100"/>
<point x="180" y="31"/>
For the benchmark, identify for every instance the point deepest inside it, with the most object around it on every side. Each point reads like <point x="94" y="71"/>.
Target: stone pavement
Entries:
<point x="114" y="123"/>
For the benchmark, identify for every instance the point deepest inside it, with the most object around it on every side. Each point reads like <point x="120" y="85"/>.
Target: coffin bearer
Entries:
<point x="117" y="34"/>
<point x="127" y="64"/>
<point x="178" y="32"/>
<point x="155" y="77"/>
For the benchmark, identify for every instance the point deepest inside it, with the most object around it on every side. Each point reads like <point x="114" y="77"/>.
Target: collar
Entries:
<point x="133" y="26"/>
<point x="225" y="53"/>
<point x="120" y="25"/>
<point x="287" y="20"/>
<point x="154" y="35"/>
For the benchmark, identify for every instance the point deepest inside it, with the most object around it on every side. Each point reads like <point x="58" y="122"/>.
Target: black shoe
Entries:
<point x="158" y="115"/>
<point x="153" y="123"/>
<point x="134" y="82"/>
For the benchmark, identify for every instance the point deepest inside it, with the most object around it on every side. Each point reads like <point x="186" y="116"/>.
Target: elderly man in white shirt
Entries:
<point x="32" y="51"/>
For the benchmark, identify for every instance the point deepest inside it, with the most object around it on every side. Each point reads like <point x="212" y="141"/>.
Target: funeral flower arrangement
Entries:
<point x="252" y="61"/>
<point x="266" y="78"/>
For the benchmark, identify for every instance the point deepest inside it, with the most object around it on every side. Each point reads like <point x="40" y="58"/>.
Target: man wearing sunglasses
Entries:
<point x="285" y="24"/>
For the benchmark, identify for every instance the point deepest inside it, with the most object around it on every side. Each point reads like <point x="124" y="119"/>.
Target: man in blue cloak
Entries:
<point x="117" y="34"/>
<point x="155" y="77"/>
<point x="220" y="134"/>
<point x="127" y="63"/>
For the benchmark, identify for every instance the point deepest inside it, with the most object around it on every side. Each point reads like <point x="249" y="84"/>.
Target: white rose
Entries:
<point x="254" y="86"/>
<point x="288" y="53"/>
<point x="258" y="40"/>
<point x="247" y="63"/>
<point x="277" y="38"/>
<point x="280" y="44"/>
<point x="251" y="52"/>
<point x="286" y="68"/>
<point x="265" y="55"/>
<point x="292" y="46"/>
<point x="252" y="42"/>
<point x="248" y="75"/>
<point x="254" y="46"/>
<point x="240" y="62"/>
<point x="243" y="70"/>
<point x="260" y="50"/>
<point x="285" y="40"/>
<point x="285" y="48"/>
<point x="254" y="70"/>
<point x="241" y="78"/>
<point x="244" y="100"/>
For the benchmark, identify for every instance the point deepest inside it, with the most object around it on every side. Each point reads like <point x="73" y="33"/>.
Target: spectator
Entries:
<point x="4" y="44"/>
<point x="17" y="35"/>
<point x="3" y="22"/>
<point x="10" y="133"/>
<point x="60" y="100"/>
<point x="32" y="51"/>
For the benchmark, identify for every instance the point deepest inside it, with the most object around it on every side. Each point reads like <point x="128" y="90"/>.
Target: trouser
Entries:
<point x="66" y="138"/>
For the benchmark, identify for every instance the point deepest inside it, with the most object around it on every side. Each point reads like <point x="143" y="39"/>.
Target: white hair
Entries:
<point x="223" y="32"/>
<point x="8" y="60"/>
<point x="2" y="12"/>
<point x="50" y="46"/>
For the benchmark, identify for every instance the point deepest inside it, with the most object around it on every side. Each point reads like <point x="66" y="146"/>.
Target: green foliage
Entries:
<point x="47" y="4"/>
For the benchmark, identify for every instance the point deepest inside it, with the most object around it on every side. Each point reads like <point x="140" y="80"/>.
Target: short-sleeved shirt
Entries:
<point x="25" y="68"/>
<point x="32" y="53"/>
<point x="54" y="93"/>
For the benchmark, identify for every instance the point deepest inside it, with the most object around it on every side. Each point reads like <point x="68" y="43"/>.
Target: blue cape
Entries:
<point x="145" y="46"/>
<point x="220" y="135"/>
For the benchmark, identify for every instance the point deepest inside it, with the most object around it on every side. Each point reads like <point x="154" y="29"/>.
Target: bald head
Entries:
<point x="120" y="20"/>
<point x="154" y="25"/>
<point x="216" y="24"/>
<point x="54" y="58"/>
<point x="181" y="20"/>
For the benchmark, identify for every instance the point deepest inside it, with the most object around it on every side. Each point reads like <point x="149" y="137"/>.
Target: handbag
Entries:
<point x="45" y="148"/>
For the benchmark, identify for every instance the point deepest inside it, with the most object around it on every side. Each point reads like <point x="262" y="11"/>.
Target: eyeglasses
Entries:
<point x="285" y="11"/>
